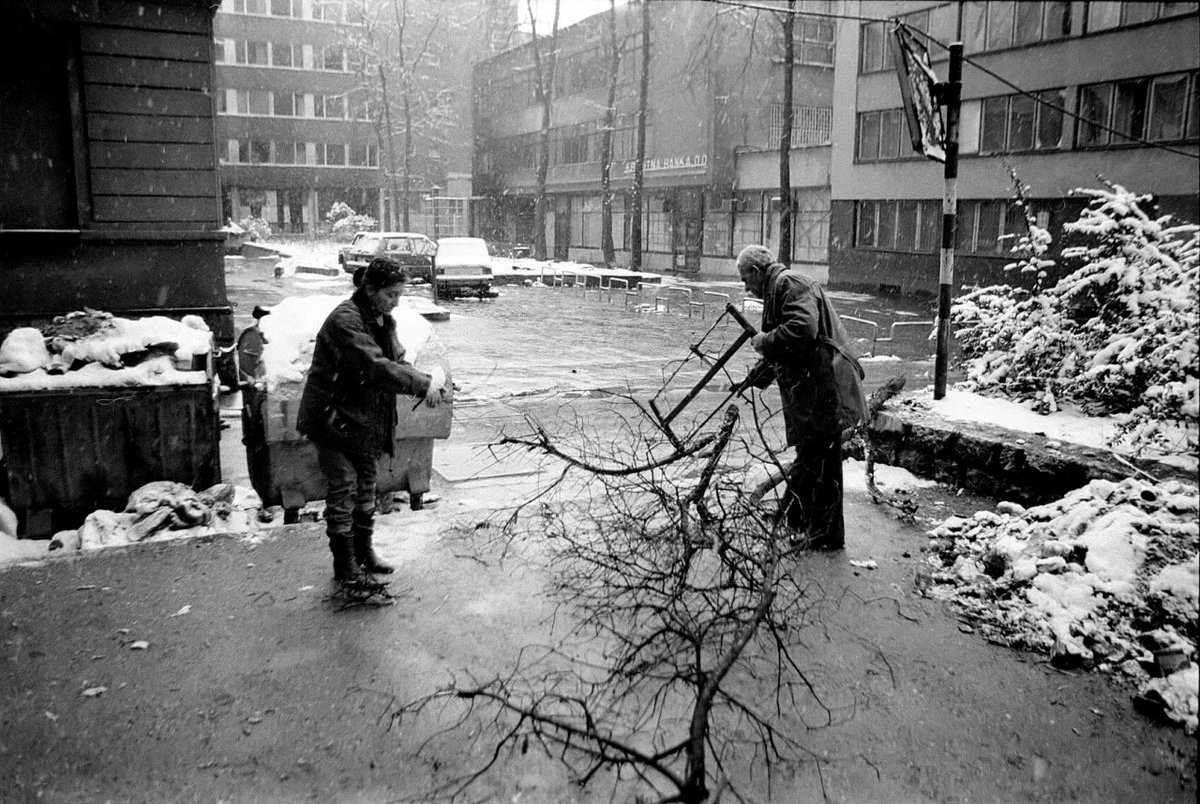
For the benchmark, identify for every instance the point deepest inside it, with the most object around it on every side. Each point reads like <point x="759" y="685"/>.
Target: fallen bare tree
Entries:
<point x="675" y="666"/>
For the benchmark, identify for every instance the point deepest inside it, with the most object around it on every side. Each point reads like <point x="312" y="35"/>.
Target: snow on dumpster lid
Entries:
<point x="291" y="330"/>
<point x="101" y="347"/>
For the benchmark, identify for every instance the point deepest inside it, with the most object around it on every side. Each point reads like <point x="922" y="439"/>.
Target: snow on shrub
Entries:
<point x="346" y="222"/>
<point x="257" y="228"/>
<point x="1118" y="333"/>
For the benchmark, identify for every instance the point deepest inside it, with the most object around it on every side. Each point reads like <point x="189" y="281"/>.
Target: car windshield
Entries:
<point x="368" y="243"/>
<point x="463" y="250"/>
<point x="409" y="245"/>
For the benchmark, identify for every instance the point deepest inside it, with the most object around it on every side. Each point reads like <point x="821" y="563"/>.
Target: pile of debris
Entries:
<point x="94" y="347"/>
<point x="162" y="510"/>
<point x="1106" y="578"/>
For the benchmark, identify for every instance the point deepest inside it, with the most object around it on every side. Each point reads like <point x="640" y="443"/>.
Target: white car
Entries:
<point x="463" y="267"/>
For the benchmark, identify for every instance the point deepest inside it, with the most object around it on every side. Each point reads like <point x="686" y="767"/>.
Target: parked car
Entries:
<point x="413" y="251"/>
<point x="463" y="268"/>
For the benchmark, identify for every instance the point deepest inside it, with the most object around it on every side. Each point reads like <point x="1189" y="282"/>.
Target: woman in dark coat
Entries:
<point x="796" y="317"/>
<point x="348" y="409"/>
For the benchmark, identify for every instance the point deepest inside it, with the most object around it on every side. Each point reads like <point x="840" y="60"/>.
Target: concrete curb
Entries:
<point x="1004" y="464"/>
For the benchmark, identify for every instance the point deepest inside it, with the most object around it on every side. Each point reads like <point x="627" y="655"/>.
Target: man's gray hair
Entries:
<point x="755" y="257"/>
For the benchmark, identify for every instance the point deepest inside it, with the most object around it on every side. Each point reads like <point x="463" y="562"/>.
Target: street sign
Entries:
<point x="917" y="89"/>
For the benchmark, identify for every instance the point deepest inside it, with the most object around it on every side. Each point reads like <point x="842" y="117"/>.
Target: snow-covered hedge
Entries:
<point x="1118" y="333"/>
<point x="346" y="222"/>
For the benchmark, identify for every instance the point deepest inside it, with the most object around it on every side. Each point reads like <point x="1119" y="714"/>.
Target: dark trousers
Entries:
<point x="814" y="486"/>
<point x="350" y="499"/>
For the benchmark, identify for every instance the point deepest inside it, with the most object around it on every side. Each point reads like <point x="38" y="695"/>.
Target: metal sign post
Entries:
<point x="922" y="94"/>
<point x="951" y="94"/>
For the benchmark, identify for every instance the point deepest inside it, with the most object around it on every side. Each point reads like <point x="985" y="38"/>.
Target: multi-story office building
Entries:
<point x="290" y="136"/>
<point x="1058" y="92"/>
<point x="714" y="116"/>
<point x="296" y="129"/>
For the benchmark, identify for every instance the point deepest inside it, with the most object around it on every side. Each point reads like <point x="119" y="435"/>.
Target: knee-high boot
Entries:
<point x="365" y="553"/>
<point x="345" y="568"/>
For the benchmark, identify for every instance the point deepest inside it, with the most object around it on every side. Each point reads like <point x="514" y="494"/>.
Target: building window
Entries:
<point x="252" y="101"/>
<point x="331" y="153"/>
<point x="1103" y="16"/>
<point x="286" y="54"/>
<point x="811" y="125"/>
<point x="364" y="155"/>
<point x="289" y="152"/>
<point x="254" y="152"/>
<point x="718" y="225"/>
<point x="283" y="104"/>
<point x="656" y="224"/>
<point x="329" y="106"/>
<point x="250" y="6"/>
<point x="327" y="10"/>
<point x="332" y="57"/>
<point x="815" y="43"/>
<point x="1000" y="25"/>
<point x="987" y="227"/>
<point x="1015" y="123"/>
<point x="911" y="226"/>
<point x="873" y="49"/>
<point x="882" y="135"/>
<point x="1159" y="109"/>
<point x="247" y="52"/>
<point x="285" y="8"/>
<point x="219" y="50"/>
<point x="875" y="37"/>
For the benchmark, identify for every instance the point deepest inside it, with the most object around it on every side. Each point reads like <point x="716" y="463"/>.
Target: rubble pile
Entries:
<point x="164" y="509"/>
<point x="1106" y="578"/>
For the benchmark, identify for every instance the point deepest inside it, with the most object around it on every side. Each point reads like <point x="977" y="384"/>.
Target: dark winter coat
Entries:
<point x="358" y="368"/>
<point x="796" y="314"/>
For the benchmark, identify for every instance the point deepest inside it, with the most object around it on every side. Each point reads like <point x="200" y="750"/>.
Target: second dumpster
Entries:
<point x="282" y="462"/>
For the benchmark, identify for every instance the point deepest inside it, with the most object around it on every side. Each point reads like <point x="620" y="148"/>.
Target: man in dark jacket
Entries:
<point x="797" y="319"/>
<point x="348" y="409"/>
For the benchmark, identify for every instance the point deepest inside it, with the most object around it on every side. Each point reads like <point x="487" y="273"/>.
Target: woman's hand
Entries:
<point x="434" y="396"/>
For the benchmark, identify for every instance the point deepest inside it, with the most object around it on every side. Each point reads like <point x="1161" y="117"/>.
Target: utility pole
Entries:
<point x="951" y="94"/>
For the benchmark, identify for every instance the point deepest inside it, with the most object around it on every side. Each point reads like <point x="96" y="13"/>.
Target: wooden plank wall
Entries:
<point x="148" y="105"/>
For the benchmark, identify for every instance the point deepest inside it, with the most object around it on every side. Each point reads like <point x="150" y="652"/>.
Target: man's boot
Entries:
<point x="345" y="569"/>
<point x="365" y="554"/>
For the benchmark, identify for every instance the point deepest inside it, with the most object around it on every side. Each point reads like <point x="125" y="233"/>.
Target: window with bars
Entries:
<point x="811" y="125"/>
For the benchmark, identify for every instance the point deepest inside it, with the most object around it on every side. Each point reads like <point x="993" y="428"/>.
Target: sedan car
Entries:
<point x="463" y="268"/>
<point x="414" y="251"/>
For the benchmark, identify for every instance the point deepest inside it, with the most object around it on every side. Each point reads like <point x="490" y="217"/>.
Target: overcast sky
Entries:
<point x="570" y="12"/>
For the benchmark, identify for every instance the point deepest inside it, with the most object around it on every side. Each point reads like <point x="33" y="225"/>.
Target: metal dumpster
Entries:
<point x="283" y="463"/>
<point x="68" y="452"/>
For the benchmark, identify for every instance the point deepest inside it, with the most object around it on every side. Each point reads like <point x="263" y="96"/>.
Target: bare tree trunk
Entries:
<point x="391" y="148"/>
<point x="544" y="87"/>
<point x="635" y="233"/>
<point x="408" y="154"/>
<point x="400" y="9"/>
<point x="606" y="142"/>
<point x="785" y="137"/>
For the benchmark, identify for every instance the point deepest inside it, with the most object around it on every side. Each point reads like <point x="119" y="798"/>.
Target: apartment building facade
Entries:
<point x="293" y="135"/>
<point x="714" y="116"/>
<point x="1057" y="93"/>
<point x="299" y="121"/>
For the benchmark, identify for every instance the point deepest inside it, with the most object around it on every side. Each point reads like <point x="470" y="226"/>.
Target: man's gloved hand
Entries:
<point x="756" y="343"/>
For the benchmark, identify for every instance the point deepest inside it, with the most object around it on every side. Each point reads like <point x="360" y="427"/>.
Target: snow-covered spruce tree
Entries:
<point x="1118" y="333"/>
<point x="1136" y="299"/>
<point x="1012" y="339"/>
